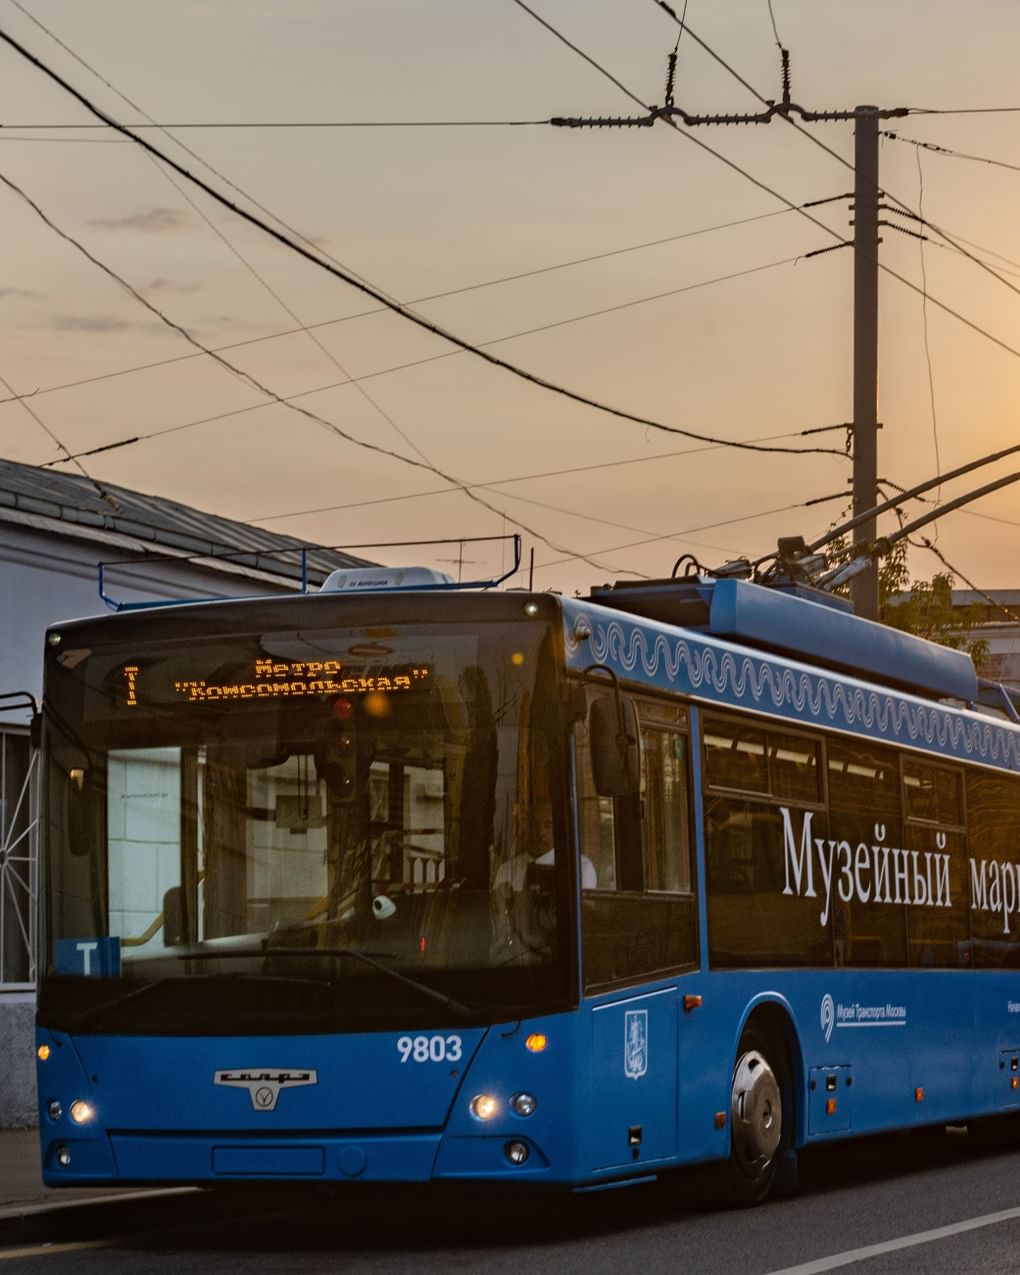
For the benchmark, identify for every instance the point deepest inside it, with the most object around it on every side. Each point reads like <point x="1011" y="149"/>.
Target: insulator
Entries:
<point x="670" y="78"/>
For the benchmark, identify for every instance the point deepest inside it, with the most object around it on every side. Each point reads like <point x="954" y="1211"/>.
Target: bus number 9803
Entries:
<point x="421" y="1049"/>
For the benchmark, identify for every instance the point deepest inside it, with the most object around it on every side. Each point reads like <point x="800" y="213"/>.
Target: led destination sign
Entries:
<point x="275" y="679"/>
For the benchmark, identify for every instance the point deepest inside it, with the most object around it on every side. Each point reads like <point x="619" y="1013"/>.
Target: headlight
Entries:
<point x="483" y="1106"/>
<point x="81" y="1112"/>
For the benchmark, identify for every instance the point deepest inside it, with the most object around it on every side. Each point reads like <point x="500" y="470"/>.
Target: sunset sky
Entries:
<point x="593" y="259"/>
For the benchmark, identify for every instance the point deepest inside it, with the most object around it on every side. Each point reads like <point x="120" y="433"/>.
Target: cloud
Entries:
<point x="155" y="220"/>
<point x="167" y="285"/>
<point x="94" y="323"/>
<point x="20" y="294"/>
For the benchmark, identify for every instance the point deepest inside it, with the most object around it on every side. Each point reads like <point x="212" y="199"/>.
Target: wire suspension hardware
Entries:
<point x="784" y="108"/>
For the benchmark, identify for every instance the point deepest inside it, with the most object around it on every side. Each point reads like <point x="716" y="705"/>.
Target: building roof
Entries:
<point x="153" y="524"/>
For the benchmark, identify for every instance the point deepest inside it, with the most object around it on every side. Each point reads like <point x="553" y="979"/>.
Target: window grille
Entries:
<point x="18" y="867"/>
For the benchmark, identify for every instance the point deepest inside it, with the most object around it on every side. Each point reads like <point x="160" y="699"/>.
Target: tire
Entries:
<point x="759" y="1122"/>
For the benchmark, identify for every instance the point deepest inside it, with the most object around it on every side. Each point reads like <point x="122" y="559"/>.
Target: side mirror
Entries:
<point x="615" y="746"/>
<point x="174" y="930"/>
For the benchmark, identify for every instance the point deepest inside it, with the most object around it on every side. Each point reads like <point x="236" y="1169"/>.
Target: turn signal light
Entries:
<point x="830" y="1106"/>
<point x="42" y="1053"/>
<point x="919" y="1095"/>
<point x="537" y="1042"/>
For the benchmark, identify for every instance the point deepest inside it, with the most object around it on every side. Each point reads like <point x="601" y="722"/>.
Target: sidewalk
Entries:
<point x="22" y="1192"/>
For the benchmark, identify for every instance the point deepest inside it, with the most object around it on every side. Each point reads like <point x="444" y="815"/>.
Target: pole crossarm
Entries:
<point x="774" y="110"/>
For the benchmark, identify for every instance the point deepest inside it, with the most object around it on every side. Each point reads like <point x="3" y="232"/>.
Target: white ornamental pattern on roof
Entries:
<point x="795" y="692"/>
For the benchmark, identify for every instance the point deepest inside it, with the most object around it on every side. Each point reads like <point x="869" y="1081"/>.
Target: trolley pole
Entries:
<point x="864" y="587"/>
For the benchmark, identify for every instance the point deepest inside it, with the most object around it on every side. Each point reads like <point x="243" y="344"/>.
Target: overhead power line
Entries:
<point x="240" y="124"/>
<point x="116" y="444"/>
<point x="440" y="296"/>
<point x="505" y="482"/>
<point x="987" y="597"/>
<point x="254" y="383"/>
<point x="847" y="571"/>
<point x="245" y="262"/>
<point x="709" y="526"/>
<point x="776" y="110"/>
<point x="964" y="110"/>
<point x="908" y="494"/>
<point x="356" y="282"/>
<point x="101" y="491"/>
<point x="948" y="152"/>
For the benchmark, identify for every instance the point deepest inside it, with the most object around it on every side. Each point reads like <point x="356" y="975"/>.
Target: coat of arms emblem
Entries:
<point x="635" y="1043"/>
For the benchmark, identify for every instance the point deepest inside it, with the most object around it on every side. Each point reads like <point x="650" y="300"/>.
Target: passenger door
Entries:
<point x="639" y="930"/>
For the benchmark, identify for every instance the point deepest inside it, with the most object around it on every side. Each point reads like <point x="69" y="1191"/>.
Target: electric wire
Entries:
<point x="354" y="281"/>
<point x="688" y="136"/>
<point x="254" y="383"/>
<point x="103" y="494"/>
<point x="948" y="152"/>
<point x="282" y="124"/>
<point x="944" y="247"/>
<point x="964" y="110"/>
<point x="312" y="336"/>
<point x="955" y="571"/>
<point x="709" y="526"/>
<point x="829" y="231"/>
<point x="910" y="494"/>
<point x="967" y="513"/>
<point x="775" y="29"/>
<point x="924" y="320"/>
<point x="434" y="296"/>
<point x="450" y="353"/>
<point x="67" y="141"/>
<point x="846" y="164"/>
<point x="504" y="482"/>
<point x="239" y="256"/>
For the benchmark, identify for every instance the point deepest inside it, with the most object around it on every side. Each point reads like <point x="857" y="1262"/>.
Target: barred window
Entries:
<point x="17" y="863"/>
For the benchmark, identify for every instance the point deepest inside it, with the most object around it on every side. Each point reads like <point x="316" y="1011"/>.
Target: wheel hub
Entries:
<point x="757" y="1112"/>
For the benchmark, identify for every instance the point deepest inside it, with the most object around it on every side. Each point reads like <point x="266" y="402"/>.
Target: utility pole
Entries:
<point x="864" y="588"/>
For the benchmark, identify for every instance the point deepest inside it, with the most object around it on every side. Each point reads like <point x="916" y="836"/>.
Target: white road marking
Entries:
<point x="44" y="1250"/>
<point x="905" y="1241"/>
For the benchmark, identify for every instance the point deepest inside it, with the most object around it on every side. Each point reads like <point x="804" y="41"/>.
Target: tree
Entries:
<point x="922" y="607"/>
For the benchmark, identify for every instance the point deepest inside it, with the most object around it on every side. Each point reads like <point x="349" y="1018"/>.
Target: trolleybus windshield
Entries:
<point x="304" y="830"/>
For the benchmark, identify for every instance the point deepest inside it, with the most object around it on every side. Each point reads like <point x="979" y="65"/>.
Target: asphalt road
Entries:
<point x="923" y="1203"/>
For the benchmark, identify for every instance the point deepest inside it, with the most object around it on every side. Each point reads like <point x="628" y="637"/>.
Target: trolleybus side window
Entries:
<point x="868" y="929"/>
<point x="938" y="925"/>
<point x="751" y="919"/>
<point x="993" y="824"/>
<point x="639" y="918"/>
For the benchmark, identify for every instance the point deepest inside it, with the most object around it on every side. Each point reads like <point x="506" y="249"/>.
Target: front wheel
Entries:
<point x="757" y="1130"/>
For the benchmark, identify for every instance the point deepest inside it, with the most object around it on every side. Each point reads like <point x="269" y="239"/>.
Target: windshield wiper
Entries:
<point x="469" y="1013"/>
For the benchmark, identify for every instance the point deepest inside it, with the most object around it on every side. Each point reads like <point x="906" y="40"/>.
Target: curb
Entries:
<point x="12" y="1214"/>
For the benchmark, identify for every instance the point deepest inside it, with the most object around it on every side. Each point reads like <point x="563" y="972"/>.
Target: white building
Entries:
<point x="55" y="530"/>
<point x="999" y="625"/>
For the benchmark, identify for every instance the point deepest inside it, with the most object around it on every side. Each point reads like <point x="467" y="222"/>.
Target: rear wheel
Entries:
<point x="758" y="1124"/>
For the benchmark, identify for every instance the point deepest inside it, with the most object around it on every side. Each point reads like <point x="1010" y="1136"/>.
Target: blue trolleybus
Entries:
<point x="432" y="885"/>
